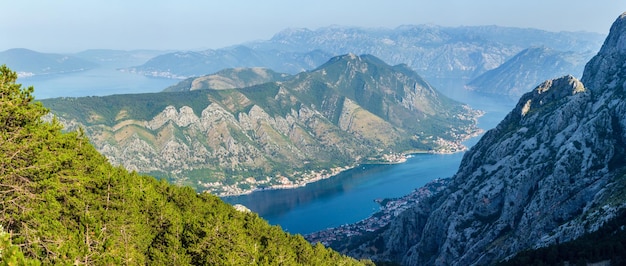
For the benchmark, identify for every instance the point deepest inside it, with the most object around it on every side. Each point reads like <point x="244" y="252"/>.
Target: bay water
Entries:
<point x="99" y="81"/>
<point x="347" y="197"/>
<point x="351" y="195"/>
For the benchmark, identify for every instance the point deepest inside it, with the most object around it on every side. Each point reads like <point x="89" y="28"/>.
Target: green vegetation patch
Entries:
<point x="96" y="110"/>
<point x="264" y="95"/>
<point x="65" y="204"/>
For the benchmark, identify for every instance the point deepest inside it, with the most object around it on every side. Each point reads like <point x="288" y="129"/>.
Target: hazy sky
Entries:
<point x="76" y="25"/>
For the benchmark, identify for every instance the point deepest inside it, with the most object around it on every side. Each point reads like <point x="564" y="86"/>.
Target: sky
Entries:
<point x="67" y="26"/>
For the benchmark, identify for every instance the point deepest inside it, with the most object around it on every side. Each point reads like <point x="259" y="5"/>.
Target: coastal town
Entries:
<point x="251" y="184"/>
<point x="389" y="209"/>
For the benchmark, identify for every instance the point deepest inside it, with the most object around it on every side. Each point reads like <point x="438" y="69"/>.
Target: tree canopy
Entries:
<point x="63" y="203"/>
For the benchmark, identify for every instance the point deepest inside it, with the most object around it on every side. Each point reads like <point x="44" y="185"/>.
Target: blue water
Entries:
<point x="100" y="81"/>
<point x="349" y="197"/>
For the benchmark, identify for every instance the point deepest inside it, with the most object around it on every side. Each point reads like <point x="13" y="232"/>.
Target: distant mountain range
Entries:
<point x="443" y="55"/>
<point x="448" y="57"/>
<point x="527" y="69"/>
<point x="350" y="110"/>
<point x="435" y="52"/>
<point x="29" y="63"/>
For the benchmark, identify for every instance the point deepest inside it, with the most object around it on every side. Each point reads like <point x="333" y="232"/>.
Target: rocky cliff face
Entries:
<point x="552" y="170"/>
<point x="280" y="134"/>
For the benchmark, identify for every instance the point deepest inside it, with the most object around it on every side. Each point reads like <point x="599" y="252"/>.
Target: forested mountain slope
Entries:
<point x="63" y="203"/>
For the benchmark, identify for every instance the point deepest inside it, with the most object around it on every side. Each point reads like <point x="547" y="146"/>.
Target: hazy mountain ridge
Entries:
<point x="443" y="55"/>
<point x="118" y="58"/>
<point x="551" y="171"/>
<point x="30" y="63"/>
<point x="278" y="134"/>
<point x="528" y="68"/>
<point x="435" y="52"/>
<point x="292" y="39"/>
<point x="186" y="64"/>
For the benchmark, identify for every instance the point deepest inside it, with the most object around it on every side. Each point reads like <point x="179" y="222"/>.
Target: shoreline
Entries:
<point x="399" y="159"/>
<point x="446" y="147"/>
<point x="300" y="183"/>
<point x="388" y="210"/>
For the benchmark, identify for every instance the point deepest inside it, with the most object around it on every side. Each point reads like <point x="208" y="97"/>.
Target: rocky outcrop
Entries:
<point x="606" y="70"/>
<point x="552" y="170"/>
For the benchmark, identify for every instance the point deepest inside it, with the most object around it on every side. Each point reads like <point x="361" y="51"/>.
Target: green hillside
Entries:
<point x="63" y="203"/>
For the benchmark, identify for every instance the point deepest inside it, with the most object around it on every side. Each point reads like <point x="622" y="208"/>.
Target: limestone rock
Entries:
<point x="551" y="171"/>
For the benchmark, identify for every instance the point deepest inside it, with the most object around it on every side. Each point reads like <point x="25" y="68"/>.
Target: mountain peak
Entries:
<point x="352" y="61"/>
<point x="372" y="82"/>
<point x="617" y="35"/>
<point x="549" y="92"/>
<point x="606" y="69"/>
<point x="346" y="58"/>
<point x="351" y="56"/>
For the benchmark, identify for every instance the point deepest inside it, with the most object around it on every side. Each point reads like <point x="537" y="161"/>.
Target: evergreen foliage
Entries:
<point x="63" y="203"/>
<point x="11" y="254"/>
